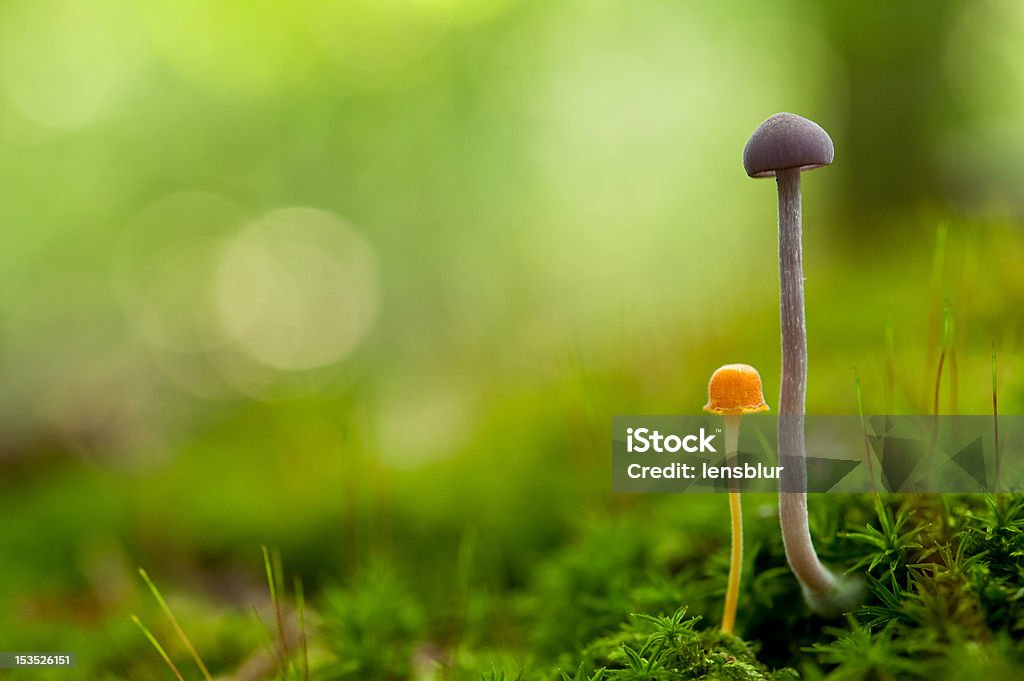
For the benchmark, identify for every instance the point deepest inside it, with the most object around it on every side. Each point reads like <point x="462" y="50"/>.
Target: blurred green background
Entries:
<point x="365" y="281"/>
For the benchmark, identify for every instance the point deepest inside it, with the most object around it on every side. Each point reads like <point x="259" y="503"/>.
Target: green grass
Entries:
<point x="159" y="648"/>
<point x="174" y="625"/>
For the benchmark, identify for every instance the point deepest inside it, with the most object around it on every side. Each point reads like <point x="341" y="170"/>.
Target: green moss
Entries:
<point x="671" y="647"/>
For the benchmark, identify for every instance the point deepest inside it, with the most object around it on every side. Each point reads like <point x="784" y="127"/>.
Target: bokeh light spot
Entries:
<point x="298" y="289"/>
<point x="422" y="420"/>
<point x="63" y="63"/>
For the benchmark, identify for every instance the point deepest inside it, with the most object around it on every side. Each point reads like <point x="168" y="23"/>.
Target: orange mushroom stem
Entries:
<point x="734" y="390"/>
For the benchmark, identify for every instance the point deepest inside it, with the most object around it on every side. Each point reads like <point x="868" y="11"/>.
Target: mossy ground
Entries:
<point x="637" y="595"/>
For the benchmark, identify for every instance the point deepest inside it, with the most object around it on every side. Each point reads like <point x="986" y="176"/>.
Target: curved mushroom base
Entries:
<point x="846" y="593"/>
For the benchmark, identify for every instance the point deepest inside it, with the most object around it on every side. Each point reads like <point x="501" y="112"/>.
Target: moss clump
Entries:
<point x="672" y="648"/>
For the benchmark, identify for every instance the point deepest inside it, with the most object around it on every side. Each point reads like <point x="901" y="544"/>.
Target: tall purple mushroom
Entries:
<point x="783" y="146"/>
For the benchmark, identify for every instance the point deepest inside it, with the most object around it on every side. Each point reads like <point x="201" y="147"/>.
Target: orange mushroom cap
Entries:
<point x="735" y="389"/>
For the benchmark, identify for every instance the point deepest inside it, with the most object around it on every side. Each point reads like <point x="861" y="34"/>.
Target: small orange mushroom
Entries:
<point x="734" y="390"/>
